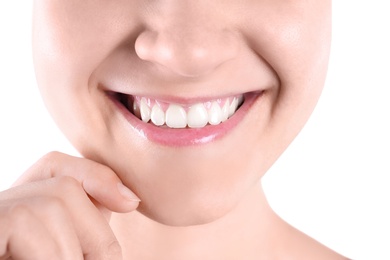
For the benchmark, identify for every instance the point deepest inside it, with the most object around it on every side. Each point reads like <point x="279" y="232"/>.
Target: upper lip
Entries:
<point x="178" y="98"/>
<point x="183" y="100"/>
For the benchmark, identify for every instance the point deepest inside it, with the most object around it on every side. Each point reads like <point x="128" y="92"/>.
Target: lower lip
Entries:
<point x="186" y="136"/>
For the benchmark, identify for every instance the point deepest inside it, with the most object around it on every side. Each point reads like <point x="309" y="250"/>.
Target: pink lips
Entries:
<point x="186" y="136"/>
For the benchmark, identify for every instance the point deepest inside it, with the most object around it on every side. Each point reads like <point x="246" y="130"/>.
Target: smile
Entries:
<point x="182" y="124"/>
<point x="172" y="115"/>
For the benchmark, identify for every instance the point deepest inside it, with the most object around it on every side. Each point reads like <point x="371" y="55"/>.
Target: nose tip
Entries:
<point x="189" y="54"/>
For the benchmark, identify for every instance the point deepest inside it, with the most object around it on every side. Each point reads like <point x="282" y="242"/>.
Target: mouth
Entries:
<point x="178" y="123"/>
<point x="175" y="115"/>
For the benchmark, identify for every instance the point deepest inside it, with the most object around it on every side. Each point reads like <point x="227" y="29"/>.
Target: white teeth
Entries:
<point x="233" y="106"/>
<point x="193" y="116"/>
<point x="145" y="110"/>
<point x="215" y="114"/>
<point x="176" y="116"/>
<point x="225" y="111"/>
<point x="157" y="115"/>
<point x="197" y="116"/>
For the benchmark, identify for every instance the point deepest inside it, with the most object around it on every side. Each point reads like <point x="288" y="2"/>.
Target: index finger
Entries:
<point x="98" y="180"/>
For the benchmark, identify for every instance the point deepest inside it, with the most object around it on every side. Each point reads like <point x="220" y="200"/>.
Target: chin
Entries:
<point x="189" y="214"/>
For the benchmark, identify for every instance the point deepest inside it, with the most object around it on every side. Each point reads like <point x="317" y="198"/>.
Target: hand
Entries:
<point x="59" y="209"/>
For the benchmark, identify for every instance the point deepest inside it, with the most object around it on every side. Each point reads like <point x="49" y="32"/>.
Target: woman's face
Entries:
<point x="105" y="67"/>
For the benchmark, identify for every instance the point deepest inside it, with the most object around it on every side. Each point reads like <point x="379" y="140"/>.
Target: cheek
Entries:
<point x="295" y="42"/>
<point x="65" y="55"/>
<point x="294" y="39"/>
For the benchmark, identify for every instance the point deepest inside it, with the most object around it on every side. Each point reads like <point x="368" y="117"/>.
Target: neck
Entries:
<point x="246" y="230"/>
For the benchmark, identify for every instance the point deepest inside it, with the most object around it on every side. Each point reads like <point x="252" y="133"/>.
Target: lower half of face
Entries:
<point x="190" y="114"/>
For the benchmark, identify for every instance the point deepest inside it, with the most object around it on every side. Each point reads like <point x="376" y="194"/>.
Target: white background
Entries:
<point x="333" y="182"/>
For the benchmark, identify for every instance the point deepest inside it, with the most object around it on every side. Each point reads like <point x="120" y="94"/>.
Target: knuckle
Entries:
<point x="19" y="213"/>
<point x="50" y="157"/>
<point x="46" y="163"/>
<point x="52" y="205"/>
<point x="25" y="211"/>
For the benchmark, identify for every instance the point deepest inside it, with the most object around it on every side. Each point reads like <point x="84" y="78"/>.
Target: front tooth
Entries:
<point x="145" y="110"/>
<point x="233" y="106"/>
<point x="225" y="111"/>
<point x="197" y="116"/>
<point x="157" y="115"/>
<point x="176" y="116"/>
<point x="215" y="114"/>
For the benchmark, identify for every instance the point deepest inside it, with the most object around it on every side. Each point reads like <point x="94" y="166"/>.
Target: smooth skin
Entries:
<point x="58" y="210"/>
<point x="199" y="201"/>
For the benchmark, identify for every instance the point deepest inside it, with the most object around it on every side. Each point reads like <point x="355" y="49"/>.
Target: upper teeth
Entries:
<point x="179" y="116"/>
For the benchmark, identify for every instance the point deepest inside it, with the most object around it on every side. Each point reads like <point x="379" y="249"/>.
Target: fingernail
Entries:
<point x="126" y="193"/>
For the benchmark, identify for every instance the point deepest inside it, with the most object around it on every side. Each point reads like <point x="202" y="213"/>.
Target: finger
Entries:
<point x="36" y="220"/>
<point x="94" y="234"/>
<point x="25" y="237"/>
<point x="99" y="181"/>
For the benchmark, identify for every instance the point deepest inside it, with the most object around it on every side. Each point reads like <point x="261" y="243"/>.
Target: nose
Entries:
<point x="189" y="51"/>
